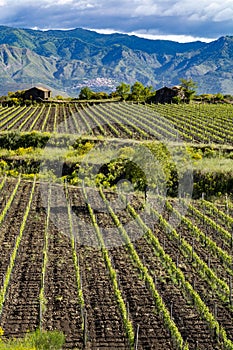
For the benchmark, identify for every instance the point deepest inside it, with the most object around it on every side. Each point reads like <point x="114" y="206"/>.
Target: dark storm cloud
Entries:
<point x="161" y="17"/>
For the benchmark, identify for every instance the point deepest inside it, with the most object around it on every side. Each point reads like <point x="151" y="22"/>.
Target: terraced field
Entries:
<point x="114" y="269"/>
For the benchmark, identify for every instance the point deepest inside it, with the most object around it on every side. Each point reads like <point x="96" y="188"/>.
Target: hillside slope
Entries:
<point x="66" y="60"/>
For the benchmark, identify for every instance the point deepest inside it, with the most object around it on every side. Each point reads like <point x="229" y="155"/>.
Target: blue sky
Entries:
<point x="181" y="20"/>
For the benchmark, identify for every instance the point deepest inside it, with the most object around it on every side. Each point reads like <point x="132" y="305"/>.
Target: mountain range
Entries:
<point x="66" y="60"/>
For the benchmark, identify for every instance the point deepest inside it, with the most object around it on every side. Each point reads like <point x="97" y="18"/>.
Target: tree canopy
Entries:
<point x="189" y="87"/>
<point x="85" y="93"/>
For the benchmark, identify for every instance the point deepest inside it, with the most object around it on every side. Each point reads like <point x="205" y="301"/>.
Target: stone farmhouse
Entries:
<point x="37" y="93"/>
<point x="167" y="94"/>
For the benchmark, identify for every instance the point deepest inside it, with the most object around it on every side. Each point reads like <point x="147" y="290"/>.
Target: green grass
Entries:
<point x="38" y="340"/>
<point x="215" y="165"/>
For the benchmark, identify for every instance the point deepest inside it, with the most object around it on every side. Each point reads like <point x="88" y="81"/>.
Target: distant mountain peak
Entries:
<point x="66" y="59"/>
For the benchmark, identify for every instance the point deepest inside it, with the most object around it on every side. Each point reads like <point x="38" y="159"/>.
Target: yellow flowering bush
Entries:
<point x="1" y="332"/>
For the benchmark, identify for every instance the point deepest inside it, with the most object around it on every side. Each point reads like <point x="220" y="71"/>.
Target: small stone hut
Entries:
<point x="37" y="93"/>
<point x="166" y="94"/>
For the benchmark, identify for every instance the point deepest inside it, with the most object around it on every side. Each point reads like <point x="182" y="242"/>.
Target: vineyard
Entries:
<point x="114" y="269"/>
<point x="191" y="123"/>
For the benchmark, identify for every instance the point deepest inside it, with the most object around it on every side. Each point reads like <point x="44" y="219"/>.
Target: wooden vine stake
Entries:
<point x="85" y="329"/>
<point x="208" y="261"/>
<point x="171" y="310"/>
<point x="227" y="207"/>
<point x="206" y="231"/>
<point x="192" y="248"/>
<point x="136" y="338"/>
<point x="40" y="318"/>
<point x="215" y="310"/>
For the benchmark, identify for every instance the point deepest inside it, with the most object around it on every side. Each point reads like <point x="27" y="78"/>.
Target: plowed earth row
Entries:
<point x="98" y="324"/>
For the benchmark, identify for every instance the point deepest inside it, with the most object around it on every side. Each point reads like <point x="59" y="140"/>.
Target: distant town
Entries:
<point x="97" y="83"/>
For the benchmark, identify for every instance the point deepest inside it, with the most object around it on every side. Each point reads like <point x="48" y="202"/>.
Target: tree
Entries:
<point x="189" y="87"/>
<point x="99" y="95"/>
<point x="139" y="92"/>
<point x="85" y="93"/>
<point x="123" y="90"/>
<point x="148" y="92"/>
<point x="218" y="97"/>
<point x="16" y="98"/>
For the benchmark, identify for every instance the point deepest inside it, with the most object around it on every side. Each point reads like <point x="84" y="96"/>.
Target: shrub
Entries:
<point x="38" y="340"/>
<point x="3" y="166"/>
<point x="42" y="340"/>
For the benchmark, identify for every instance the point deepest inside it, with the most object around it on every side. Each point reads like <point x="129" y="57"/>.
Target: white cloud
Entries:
<point x="178" y="38"/>
<point x="64" y="2"/>
<point x="146" y="8"/>
<point x="200" y="10"/>
<point x="81" y="4"/>
<point x="149" y="35"/>
<point x="194" y="19"/>
<point x="46" y="3"/>
<point x="224" y="15"/>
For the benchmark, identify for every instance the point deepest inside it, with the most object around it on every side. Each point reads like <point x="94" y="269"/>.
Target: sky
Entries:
<point x="181" y="20"/>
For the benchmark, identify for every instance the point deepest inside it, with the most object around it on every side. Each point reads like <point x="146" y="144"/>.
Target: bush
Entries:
<point x="47" y="340"/>
<point x="38" y="340"/>
<point x="14" y="140"/>
<point x="3" y="166"/>
<point x="230" y="155"/>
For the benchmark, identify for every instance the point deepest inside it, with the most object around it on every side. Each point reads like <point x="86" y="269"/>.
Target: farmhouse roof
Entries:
<point x="40" y="88"/>
<point x="165" y="88"/>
